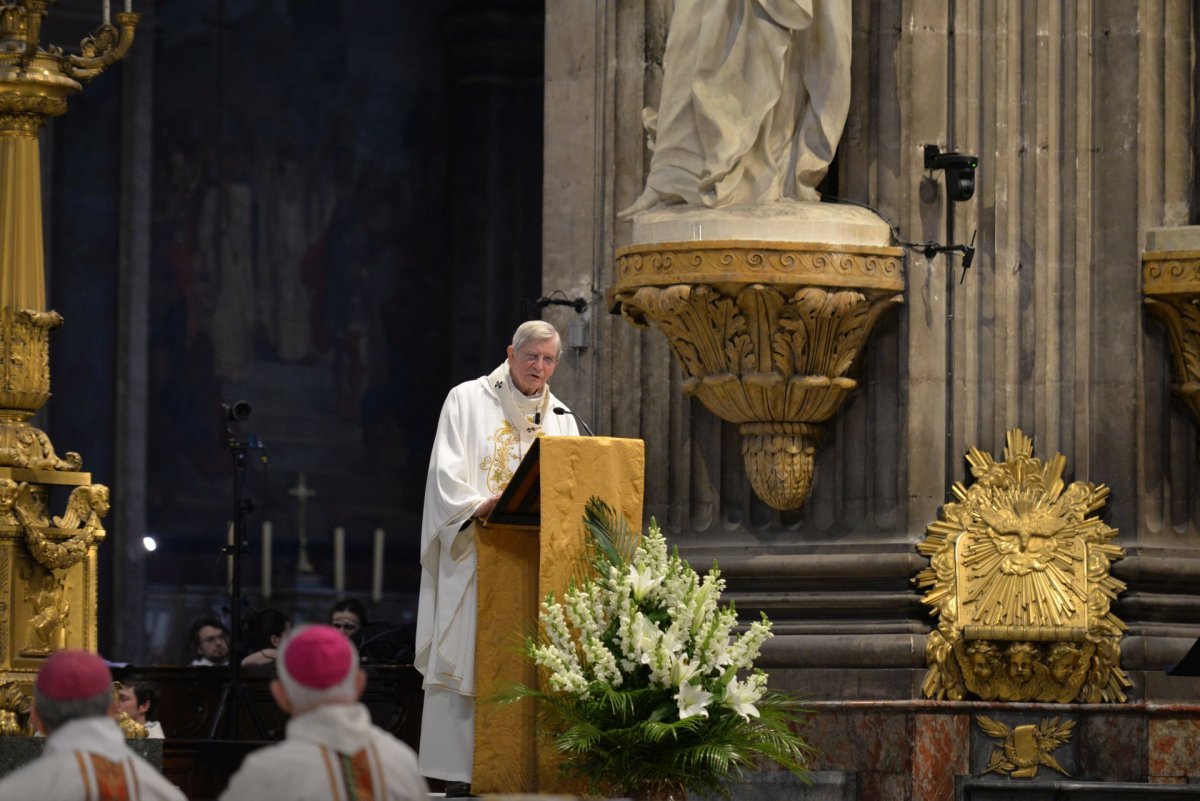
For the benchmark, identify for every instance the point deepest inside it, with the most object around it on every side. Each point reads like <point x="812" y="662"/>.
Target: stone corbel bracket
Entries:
<point x="767" y="333"/>
<point x="1171" y="288"/>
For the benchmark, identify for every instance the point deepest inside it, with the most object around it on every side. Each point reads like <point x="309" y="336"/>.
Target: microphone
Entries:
<point x="537" y="418"/>
<point x="578" y="419"/>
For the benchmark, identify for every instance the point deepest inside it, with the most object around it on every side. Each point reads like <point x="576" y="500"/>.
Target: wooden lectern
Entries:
<point x="529" y="547"/>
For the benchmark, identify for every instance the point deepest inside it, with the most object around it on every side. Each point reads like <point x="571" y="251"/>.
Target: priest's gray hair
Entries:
<point x="535" y="331"/>
<point x="57" y="713"/>
<point x="305" y="699"/>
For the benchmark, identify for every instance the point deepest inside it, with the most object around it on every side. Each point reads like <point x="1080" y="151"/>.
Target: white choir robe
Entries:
<point x="475" y="452"/>
<point x="87" y="760"/>
<point x="331" y="753"/>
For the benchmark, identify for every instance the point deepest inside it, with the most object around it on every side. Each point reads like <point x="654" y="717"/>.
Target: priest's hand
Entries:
<point x="484" y="509"/>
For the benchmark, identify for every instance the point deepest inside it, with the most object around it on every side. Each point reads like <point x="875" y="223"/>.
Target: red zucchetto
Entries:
<point x="318" y="657"/>
<point x="71" y="675"/>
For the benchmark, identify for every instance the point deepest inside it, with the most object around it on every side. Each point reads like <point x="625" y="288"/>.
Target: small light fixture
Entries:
<point x="149" y="543"/>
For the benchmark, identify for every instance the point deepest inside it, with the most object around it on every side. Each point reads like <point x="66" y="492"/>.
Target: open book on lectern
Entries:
<point x="521" y="502"/>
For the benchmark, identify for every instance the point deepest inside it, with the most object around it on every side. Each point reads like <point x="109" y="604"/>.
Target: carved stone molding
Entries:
<point x="767" y="333"/>
<point x="1171" y="286"/>
<point x="1019" y="580"/>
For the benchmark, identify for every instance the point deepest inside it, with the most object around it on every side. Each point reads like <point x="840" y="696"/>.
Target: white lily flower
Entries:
<point x="741" y="697"/>
<point x="692" y="701"/>
<point x="642" y="582"/>
<point x="682" y="670"/>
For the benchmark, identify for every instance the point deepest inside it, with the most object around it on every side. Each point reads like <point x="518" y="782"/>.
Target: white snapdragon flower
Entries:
<point x="603" y="663"/>
<point x="713" y="639"/>
<point x="692" y="701"/>
<point x="745" y="648"/>
<point x="555" y="624"/>
<point x="644" y="638"/>
<point x="565" y="673"/>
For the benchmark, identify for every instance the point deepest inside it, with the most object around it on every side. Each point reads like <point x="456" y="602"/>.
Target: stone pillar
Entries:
<point x="1081" y="115"/>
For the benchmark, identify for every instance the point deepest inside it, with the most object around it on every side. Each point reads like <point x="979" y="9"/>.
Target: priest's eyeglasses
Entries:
<point x="534" y="358"/>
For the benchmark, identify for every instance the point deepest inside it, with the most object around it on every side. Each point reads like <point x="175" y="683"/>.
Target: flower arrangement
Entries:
<point x="647" y="690"/>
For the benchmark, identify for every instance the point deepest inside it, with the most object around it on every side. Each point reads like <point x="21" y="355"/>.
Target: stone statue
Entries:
<point x="754" y="97"/>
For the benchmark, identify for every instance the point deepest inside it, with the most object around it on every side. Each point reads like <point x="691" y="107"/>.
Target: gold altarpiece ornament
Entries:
<point x="767" y="334"/>
<point x="1019" y="580"/>
<point x="1171" y="290"/>
<point x="47" y="561"/>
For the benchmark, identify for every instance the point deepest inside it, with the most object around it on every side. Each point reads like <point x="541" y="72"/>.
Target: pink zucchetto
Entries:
<point x="318" y="657"/>
<point x="71" y="675"/>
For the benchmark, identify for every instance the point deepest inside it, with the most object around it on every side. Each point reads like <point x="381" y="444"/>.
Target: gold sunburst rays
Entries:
<point x="1019" y="581"/>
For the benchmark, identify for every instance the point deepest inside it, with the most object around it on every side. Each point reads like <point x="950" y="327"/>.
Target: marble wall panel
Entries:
<point x="939" y="752"/>
<point x="1114" y="747"/>
<point x="1173" y="749"/>
<point x="860" y="740"/>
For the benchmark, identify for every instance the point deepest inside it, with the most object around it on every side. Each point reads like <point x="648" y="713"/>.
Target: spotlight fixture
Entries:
<point x="960" y="171"/>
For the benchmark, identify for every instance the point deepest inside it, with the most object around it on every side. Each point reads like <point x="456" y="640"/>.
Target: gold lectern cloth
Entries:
<point x="518" y="566"/>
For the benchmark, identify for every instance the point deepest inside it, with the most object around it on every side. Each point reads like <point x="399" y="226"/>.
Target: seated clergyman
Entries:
<point x="331" y="744"/>
<point x="85" y="756"/>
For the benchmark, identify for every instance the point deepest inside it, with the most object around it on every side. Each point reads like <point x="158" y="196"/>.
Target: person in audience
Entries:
<point x="210" y="642"/>
<point x="266" y="630"/>
<point x="139" y="700"/>
<point x="348" y="616"/>
<point x="331" y="749"/>
<point x="85" y="755"/>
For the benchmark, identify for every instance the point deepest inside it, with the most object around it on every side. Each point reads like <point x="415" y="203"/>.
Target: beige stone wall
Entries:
<point x="1082" y="115"/>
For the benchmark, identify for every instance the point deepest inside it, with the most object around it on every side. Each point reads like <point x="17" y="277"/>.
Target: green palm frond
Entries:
<point x="613" y="542"/>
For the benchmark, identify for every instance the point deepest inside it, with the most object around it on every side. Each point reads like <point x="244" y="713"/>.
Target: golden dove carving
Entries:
<point x="1019" y="581"/>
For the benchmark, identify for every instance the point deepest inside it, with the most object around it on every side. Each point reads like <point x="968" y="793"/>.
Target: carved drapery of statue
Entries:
<point x="1019" y="580"/>
<point x="754" y="98"/>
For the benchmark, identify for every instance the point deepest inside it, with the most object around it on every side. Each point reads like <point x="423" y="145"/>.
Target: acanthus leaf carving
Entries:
<point x="765" y="337"/>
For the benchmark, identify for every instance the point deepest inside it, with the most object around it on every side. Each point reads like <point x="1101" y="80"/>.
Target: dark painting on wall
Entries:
<point x="299" y="209"/>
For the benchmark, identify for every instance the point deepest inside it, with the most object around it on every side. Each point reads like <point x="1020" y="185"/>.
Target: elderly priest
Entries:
<point x="332" y="750"/>
<point x="86" y="756"/>
<point x="486" y="427"/>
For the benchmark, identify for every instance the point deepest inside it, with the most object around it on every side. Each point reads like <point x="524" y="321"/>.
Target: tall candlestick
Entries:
<point x="107" y="12"/>
<point x="339" y="560"/>
<point x="377" y="568"/>
<point x="266" y="559"/>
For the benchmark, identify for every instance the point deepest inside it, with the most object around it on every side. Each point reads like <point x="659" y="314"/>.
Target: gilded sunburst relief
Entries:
<point x="1019" y="581"/>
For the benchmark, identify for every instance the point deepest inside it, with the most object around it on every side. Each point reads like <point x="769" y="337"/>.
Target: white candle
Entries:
<point x="377" y="568"/>
<point x="128" y="6"/>
<point x="266" y="559"/>
<point x="339" y="559"/>
<point x="107" y="12"/>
